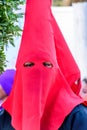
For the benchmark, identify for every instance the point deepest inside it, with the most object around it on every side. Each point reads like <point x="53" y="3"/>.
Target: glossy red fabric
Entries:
<point x="42" y="97"/>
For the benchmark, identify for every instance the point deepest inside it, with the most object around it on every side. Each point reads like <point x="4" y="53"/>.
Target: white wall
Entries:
<point x="80" y="33"/>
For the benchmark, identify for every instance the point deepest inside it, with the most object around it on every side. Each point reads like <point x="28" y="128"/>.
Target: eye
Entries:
<point x="29" y="64"/>
<point x="48" y="64"/>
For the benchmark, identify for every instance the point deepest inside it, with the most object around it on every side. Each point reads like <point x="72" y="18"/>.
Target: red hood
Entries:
<point x="42" y="97"/>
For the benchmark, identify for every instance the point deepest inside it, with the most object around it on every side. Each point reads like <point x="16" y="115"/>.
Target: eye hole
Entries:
<point x="84" y="91"/>
<point x="48" y="64"/>
<point x="28" y="64"/>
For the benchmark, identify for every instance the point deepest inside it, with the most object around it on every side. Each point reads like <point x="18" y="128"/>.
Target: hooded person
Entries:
<point x="42" y="94"/>
<point x="6" y="83"/>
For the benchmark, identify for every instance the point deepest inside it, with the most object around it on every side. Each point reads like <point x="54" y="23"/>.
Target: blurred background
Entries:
<point x="71" y="16"/>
